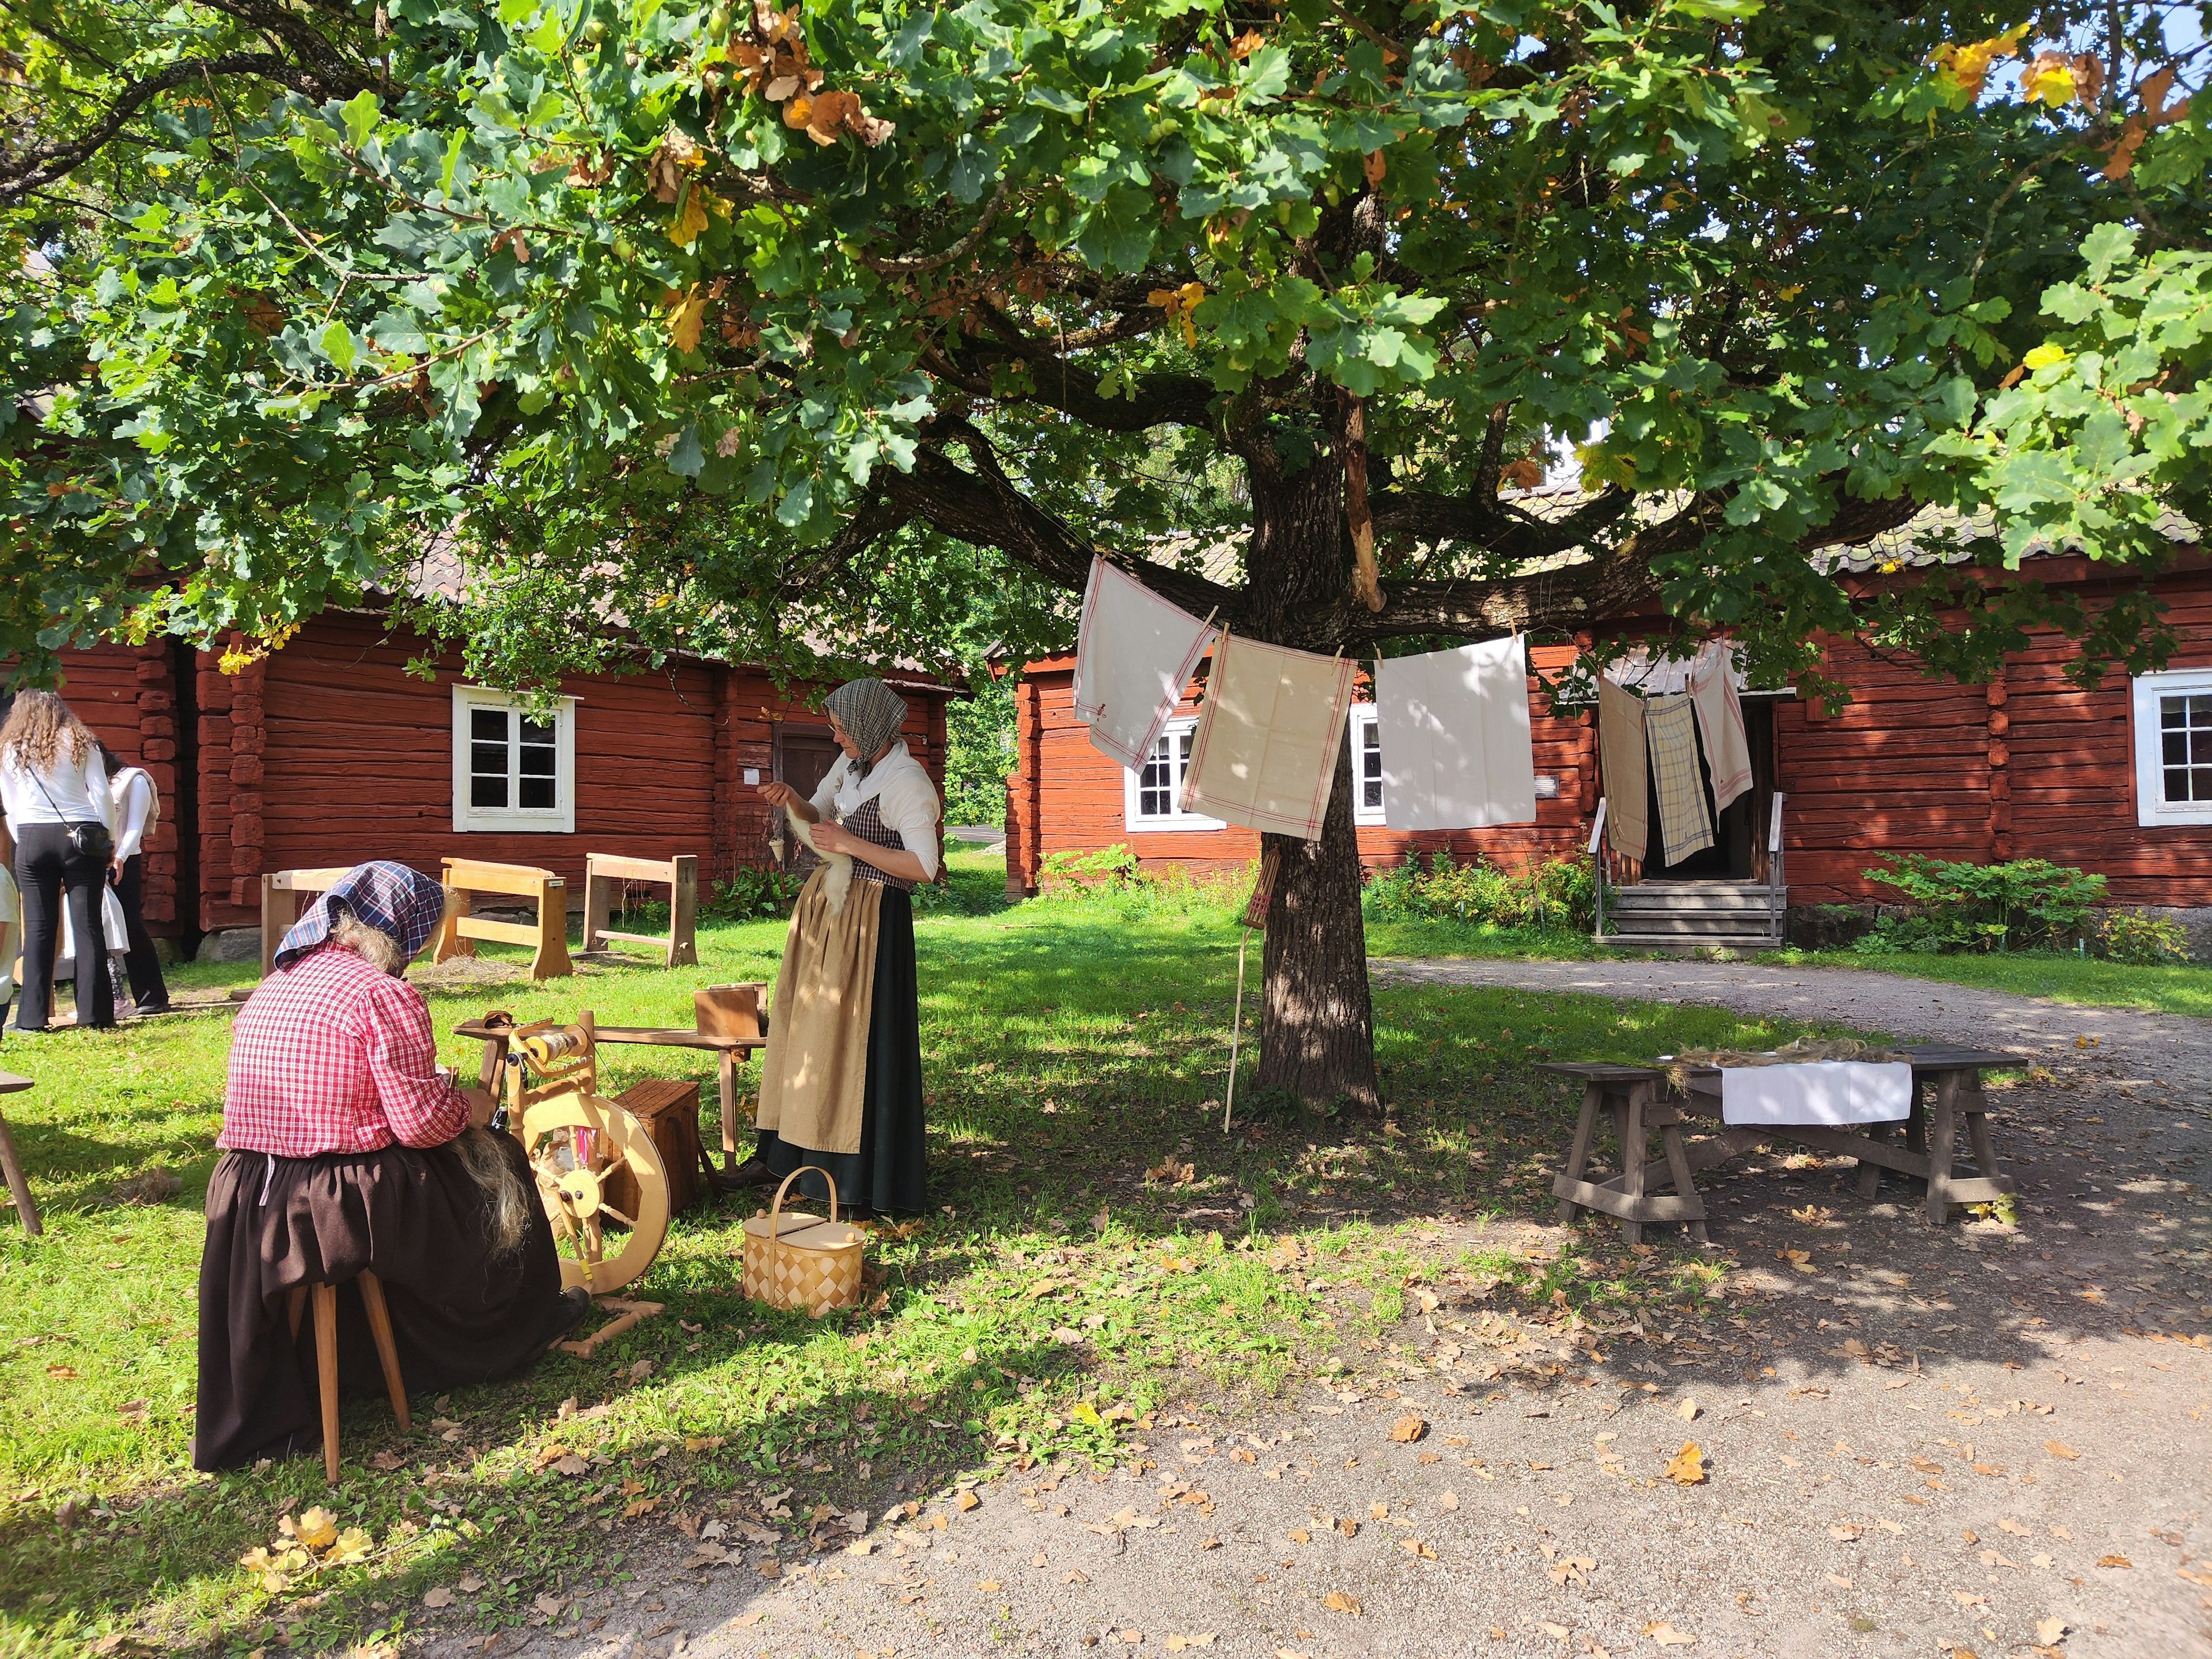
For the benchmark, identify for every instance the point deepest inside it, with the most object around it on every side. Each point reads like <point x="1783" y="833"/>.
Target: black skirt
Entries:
<point x="416" y="1217"/>
<point x="889" y="1174"/>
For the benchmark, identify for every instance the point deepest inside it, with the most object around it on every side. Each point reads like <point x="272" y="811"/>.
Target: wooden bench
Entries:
<point x="284" y="894"/>
<point x="680" y="875"/>
<point x="1947" y="1095"/>
<point x="468" y="879"/>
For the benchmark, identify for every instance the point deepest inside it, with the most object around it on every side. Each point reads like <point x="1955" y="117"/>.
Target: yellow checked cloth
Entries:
<point x="1670" y="725"/>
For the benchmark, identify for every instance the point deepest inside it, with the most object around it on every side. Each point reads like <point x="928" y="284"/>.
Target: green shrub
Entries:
<point x="2136" y="936"/>
<point x="2025" y="905"/>
<point x="753" y="893"/>
<point x="1555" y="895"/>
<point x="1070" y="873"/>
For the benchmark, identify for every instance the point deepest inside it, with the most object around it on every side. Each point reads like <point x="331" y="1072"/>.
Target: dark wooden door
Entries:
<point x="803" y="756"/>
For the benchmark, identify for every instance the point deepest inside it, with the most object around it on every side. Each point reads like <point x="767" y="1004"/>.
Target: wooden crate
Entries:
<point x="669" y="1110"/>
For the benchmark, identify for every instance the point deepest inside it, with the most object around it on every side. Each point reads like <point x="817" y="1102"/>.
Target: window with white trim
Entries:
<point x="1151" y="793"/>
<point x="1366" y="733"/>
<point x="2172" y="720"/>
<point x="515" y="769"/>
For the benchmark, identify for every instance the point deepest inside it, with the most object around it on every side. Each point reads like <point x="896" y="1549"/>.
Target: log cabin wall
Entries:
<point x="329" y="752"/>
<point x="2030" y="766"/>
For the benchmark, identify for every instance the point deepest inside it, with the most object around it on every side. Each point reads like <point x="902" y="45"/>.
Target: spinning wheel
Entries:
<point x="580" y="1147"/>
<point x="595" y="1164"/>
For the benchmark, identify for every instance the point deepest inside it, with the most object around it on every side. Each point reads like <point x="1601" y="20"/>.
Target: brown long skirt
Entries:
<point x="458" y="1315"/>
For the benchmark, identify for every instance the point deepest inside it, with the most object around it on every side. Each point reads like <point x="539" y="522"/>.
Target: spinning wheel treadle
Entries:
<point x="573" y="1141"/>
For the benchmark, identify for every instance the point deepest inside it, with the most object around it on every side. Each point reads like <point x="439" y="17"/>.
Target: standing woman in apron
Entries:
<point x="841" y="1084"/>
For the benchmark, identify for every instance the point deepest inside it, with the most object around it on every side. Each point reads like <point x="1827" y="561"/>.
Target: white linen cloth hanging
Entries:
<point x="1720" y="722"/>
<point x="1833" y="1091"/>
<point x="1134" y="653"/>
<point x="1265" y="752"/>
<point x="1453" y="729"/>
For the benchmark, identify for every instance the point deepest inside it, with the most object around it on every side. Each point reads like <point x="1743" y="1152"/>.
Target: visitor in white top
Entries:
<point x="55" y="794"/>
<point x="137" y="809"/>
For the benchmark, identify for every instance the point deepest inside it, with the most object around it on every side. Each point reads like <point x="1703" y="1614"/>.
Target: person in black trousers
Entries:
<point x="137" y="809"/>
<point x="56" y="796"/>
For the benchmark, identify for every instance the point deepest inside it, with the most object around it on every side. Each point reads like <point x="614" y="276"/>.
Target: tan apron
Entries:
<point x="814" y="1077"/>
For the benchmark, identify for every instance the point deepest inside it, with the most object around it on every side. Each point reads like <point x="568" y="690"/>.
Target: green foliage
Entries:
<point x="753" y="891"/>
<point x="2025" y="904"/>
<point x="2135" y="936"/>
<point x="1072" y="872"/>
<point x="1555" y="895"/>
<point x="571" y="289"/>
<point x="979" y="751"/>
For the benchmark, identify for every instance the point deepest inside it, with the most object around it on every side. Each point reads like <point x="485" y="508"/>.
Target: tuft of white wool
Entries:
<point x="837" y="879"/>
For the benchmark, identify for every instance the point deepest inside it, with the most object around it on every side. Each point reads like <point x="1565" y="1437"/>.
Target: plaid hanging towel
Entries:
<point x="1685" y="825"/>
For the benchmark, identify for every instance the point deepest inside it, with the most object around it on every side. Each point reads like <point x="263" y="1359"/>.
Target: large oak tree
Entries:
<point x="873" y="322"/>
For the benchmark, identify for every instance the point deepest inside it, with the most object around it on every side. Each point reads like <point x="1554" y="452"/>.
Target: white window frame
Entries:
<point x="2151" y="804"/>
<point x="560" y="818"/>
<point x="1358" y="719"/>
<point x="1135" y="823"/>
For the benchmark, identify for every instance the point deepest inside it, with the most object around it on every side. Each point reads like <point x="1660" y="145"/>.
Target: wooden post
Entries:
<point x="1629" y="1118"/>
<point x="1578" y="1154"/>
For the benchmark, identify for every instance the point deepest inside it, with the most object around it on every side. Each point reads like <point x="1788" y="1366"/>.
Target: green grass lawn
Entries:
<point x="1057" y="1295"/>
<point x="2181" y="988"/>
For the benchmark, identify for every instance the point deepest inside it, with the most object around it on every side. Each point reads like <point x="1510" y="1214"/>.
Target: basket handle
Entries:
<point x="775" y="1210"/>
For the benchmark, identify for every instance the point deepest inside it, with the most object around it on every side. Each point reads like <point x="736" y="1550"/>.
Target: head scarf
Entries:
<point x="387" y="896"/>
<point x="871" y="714"/>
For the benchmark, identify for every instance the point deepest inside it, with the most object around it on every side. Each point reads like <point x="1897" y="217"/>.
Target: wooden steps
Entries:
<point x="1682" y="918"/>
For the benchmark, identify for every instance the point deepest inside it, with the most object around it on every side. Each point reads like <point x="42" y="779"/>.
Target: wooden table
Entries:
<point x="1947" y="1088"/>
<point x="19" y="1185"/>
<point x="728" y="1052"/>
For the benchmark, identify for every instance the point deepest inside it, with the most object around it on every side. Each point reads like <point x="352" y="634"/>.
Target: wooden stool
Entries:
<point x="19" y="1185"/>
<point x="327" y="1354"/>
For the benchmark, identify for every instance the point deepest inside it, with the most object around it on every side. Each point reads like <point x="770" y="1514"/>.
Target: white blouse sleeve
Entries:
<point x="824" y="798"/>
<point x="135" y="812"/>
<point x="908" y="804"/>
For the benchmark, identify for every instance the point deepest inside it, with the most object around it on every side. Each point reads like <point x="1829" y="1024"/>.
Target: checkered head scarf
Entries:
<point x="870" y="712"/>
<point x="387" y="896"/>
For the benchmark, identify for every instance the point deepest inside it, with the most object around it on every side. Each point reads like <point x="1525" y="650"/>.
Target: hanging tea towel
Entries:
<point x="1685" y="825"/>
<point x="1457" y="753"/>
<point x="1265" y="753"/>
<point x="1720" y="722"/>
<point x="1827" y="1092"/>
<point x="1620" y="748"/>
<point x="1134" y="656"/>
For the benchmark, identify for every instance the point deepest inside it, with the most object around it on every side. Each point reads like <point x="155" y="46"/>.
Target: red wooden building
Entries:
<point x="2117" y="781"/>
<point x="330" y="752"/>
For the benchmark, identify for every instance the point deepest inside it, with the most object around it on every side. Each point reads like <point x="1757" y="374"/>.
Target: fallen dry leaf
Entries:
<point x="2114" y="1561"/>
<point x="1300" y="1535"/>
<point x="1414" y="1547"/>
<point x="1846" y="1534"/>
<point x="1408" y="1429"/>
<point x="317" y="1529"/>
<point x="988" y="1587"/>
<point x="2050" y="1631"/>
<point x="966" y="1501"/>
<point x="1338" y="1602"/>
<point x="2060" y="1449"/>
<point x="1177" y="1643"/>
<point x="1666" y="1636"/>
<point x="1688" y="1410"/>
<point x="1688" y="1466"/>
<point x="1132" y="1636"/>
<point x="1449" y="1500"/>
<point x="440" y="1597"/>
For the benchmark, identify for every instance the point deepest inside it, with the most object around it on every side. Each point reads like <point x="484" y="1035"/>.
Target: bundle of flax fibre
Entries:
<point x="1805" y="1051"/>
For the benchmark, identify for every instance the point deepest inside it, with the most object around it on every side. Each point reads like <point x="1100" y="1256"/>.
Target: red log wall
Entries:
<point x="2031" y="766"/>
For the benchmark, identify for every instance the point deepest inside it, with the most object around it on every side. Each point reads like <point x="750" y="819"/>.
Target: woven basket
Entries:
<point x="802" y="1260"/>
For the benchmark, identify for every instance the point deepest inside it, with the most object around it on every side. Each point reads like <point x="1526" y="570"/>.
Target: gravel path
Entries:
<point x="1972" y="1441"/>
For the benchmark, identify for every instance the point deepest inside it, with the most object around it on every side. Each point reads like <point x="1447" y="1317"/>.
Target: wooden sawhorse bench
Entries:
<point x="1947" y="1095"/>
<point x="680" y="875"/>
<point x="548" y="936"/>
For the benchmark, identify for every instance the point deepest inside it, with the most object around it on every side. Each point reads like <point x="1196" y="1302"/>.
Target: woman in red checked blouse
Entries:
<point x="345" y="1147"/>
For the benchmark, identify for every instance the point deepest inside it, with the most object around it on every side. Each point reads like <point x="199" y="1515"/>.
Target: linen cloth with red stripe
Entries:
<point x="333" y="1054"/>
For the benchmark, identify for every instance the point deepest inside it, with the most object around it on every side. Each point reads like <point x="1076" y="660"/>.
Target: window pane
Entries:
<point x="533" y="732"/>
<point x="537" y="794"/>
<point x="538" y="760"/>
<point x="488" y="759"/>
<point x="487" y="724"/>
<point x="488" y="789"/>
<point x="1370" y="764"/>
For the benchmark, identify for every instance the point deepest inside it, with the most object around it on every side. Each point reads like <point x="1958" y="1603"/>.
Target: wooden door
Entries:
<point x="803" y="755"/>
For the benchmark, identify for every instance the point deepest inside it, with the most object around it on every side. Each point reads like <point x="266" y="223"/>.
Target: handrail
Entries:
<point x="1597" y="826"/>
<point x="1777" y="888"/>
<point x="1774" y="825"/>
<point x="1597" y="870"/>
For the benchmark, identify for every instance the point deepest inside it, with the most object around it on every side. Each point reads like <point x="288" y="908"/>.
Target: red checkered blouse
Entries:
<point x="332" y="1054"/>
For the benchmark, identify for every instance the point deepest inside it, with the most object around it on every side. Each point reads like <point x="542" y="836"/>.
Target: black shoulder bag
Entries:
<point x="89" y="838"/>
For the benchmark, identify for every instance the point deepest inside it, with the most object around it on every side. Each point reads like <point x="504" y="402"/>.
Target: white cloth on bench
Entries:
<point x="1830" y="1092"/>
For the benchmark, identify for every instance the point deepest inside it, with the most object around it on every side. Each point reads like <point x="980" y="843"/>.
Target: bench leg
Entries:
<point x="1869" y="1176"/>
<point x="1633" y="1152"/>
<point x="1977" y="1108"/>
<point x="19" y="1184"/>
<point x="1942" y="1141"/>
<point x="326" y="1373"/>
<point x="387" y="1352"/>
<point x="1678" y="1167"/>
<point x="1578" y="1155"/>
<point x="726" y="1074"/>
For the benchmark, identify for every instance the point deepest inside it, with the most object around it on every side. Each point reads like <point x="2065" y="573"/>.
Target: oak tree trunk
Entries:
<point x="1317" y="1026"/>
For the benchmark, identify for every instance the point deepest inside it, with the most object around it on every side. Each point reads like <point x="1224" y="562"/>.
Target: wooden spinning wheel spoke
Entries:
<point x="610" y="1150"/>
<point x="607" y="1209"/>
